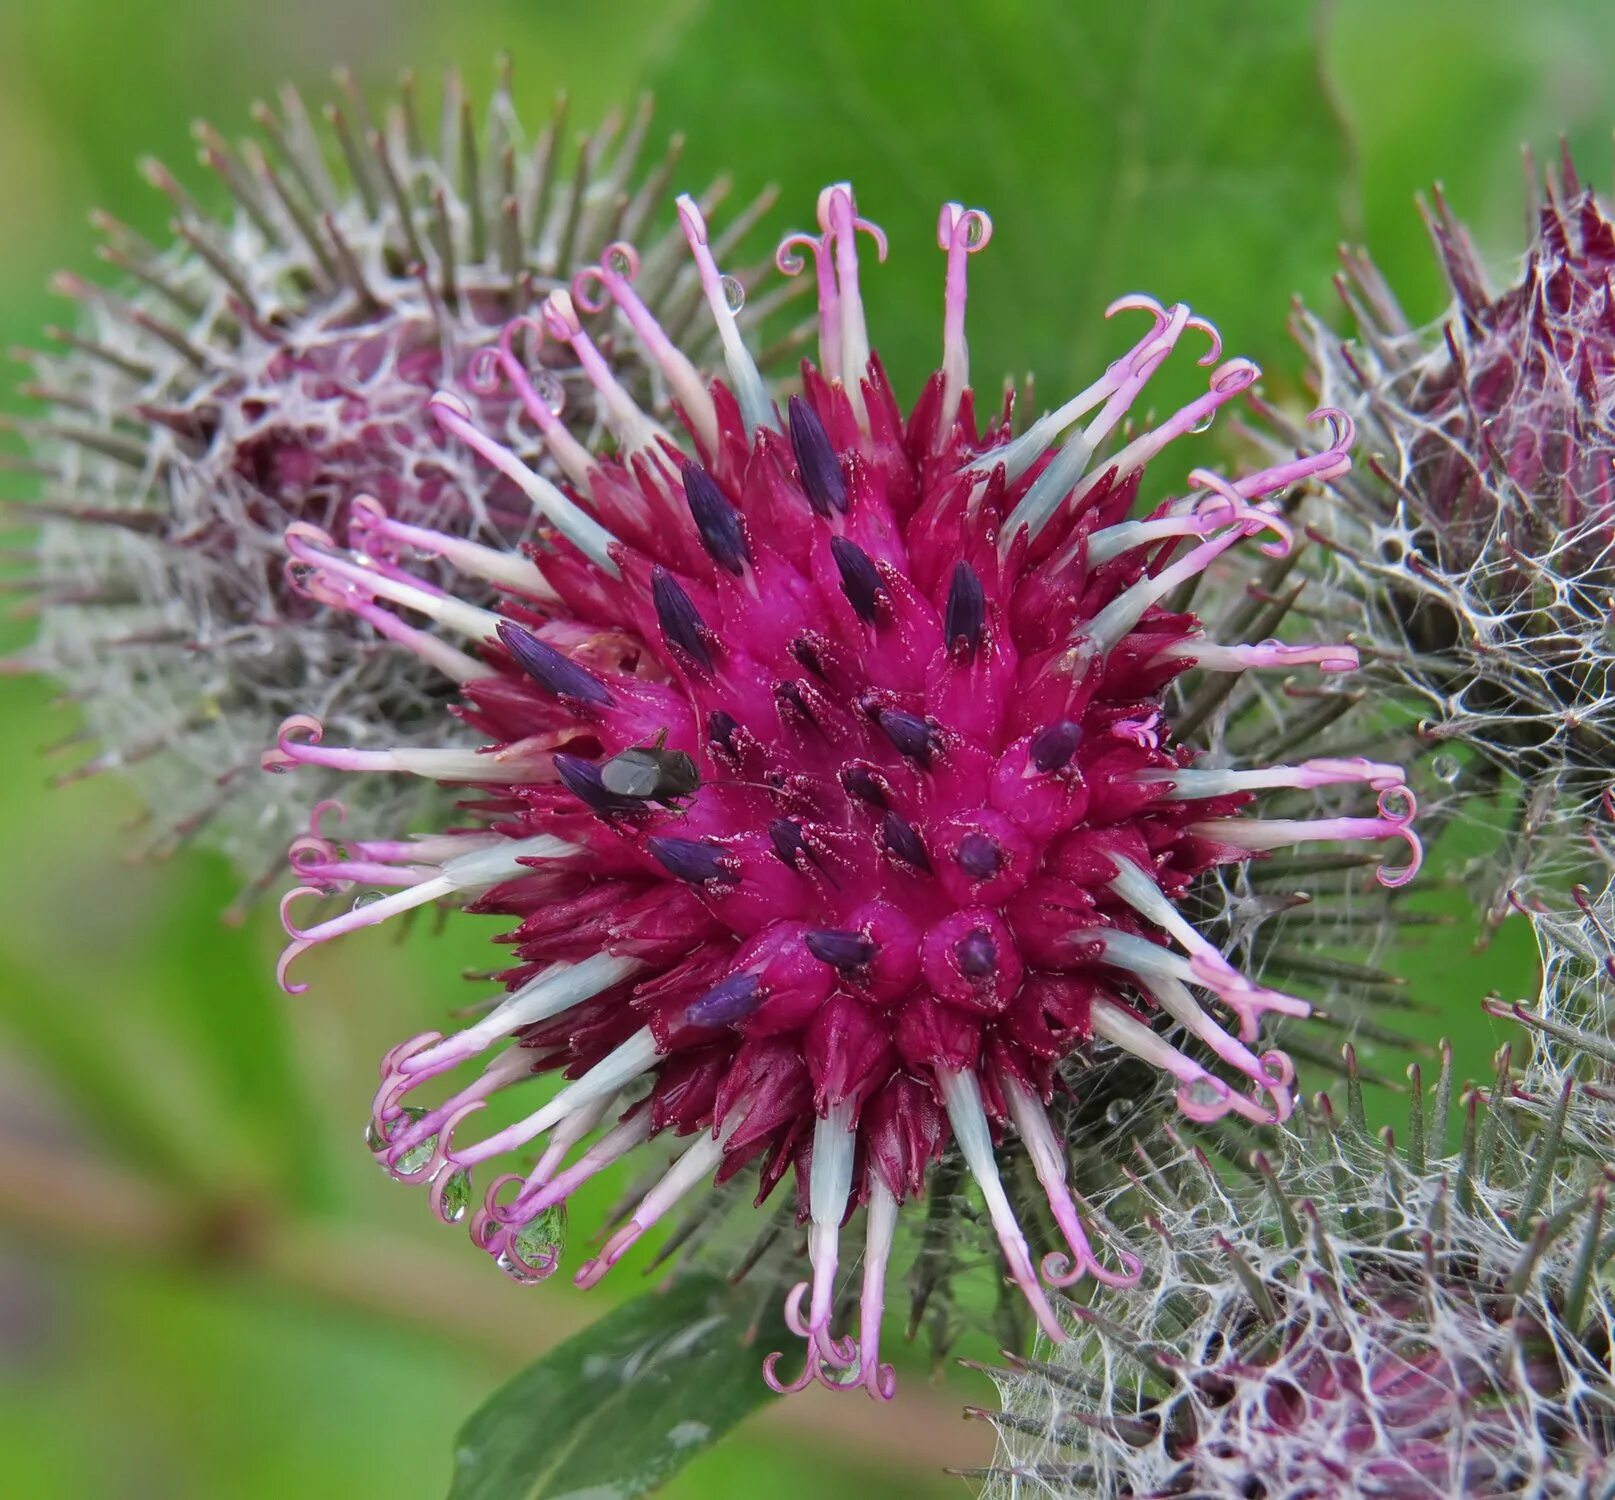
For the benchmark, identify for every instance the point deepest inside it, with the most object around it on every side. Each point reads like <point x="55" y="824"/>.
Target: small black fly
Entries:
<point x="652" y="773"/>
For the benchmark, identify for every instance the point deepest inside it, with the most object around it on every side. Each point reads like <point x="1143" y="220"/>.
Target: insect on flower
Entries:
<point x="940" y="830"/>
<point x="651" y="773"/>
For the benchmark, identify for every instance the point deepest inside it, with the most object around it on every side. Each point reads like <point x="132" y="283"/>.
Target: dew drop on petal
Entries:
<point x="551" y="390"/>
<point x="417" y="1156"/>
<point x="620" y="262"/>
<point x="367" y="898"/>
<point x="1204" y="1093"/>
<point x="537" y="1247"/>
<point x="456" y="1196"/>
<point x="734" y="293"/>
<point x="545" y="1235"/>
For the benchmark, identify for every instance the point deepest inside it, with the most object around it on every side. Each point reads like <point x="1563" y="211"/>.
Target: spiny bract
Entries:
<point x="1479" y="548"/>
<point x="1338" y="1319"/>
<point x="828" y="778"/>
<point x="269" y="367"/>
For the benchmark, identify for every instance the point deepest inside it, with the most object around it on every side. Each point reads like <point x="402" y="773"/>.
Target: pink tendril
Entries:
<point x="1224" y="497"/>
<point x="602" y="275"/>
<point x="836" y="203"/>
<point x="300" y="943"/>
<point x="1140" y="302"/>
<point x="1342" y="429"/>
<point x="561" y="318"/>
<point x="1207" y="327"/>
<point x="286" y="753"/>
<point x="960" y="228"/>
<point x="1062" y="1269"/>
<point x="789" y="262"/>
<point x="1400" y="820"/>
<point x="1235" y="376"/>
<point x="825" y="1354"/>
<point x="329" y="804"/>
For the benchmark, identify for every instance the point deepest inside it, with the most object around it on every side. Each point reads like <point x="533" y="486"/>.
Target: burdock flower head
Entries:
<point x="1340" y="1318"/>
<point x="268" y="367"/>
<point x="828" y="778"/>
<point x="1480" y="546"/>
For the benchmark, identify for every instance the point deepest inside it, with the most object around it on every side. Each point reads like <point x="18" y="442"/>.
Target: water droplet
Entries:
<point x="367" y="898"/>
<point x="537" y="1247"/>
<point x="1205" y="1093"/>
<point x="734" y="293"/>
<point x="551" y="390"/>
<point x="417" y="1156"/>
<point x="1204" y="424"/>
<point x="374" y="1138"/>
<point x="1117" y="1111"/>
<point x="1445" y="768"/>
<point x="301" y="572"/>
<point x="456" y="1196"/>
<point x="548" y="1230"/>
<point x="620" y="261"/>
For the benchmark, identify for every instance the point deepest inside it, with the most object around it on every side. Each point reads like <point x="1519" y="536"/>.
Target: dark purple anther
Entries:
<point x="548" y="668"/>
<point x="863" y="784"/>
<point x="807" y="653"/>
<point x="1051" y="748"/>
<point x="821" y="474"/>
<point x="721" y="729"/>
<point x="910" y="733"/>
<point x="786" y="836"/>
<point x="582" y="778"/>
<point x="860" y="578"/>
<point x="967" y="610"/>
<point x="729" y="1000"/>
<point x="979" y="857"/>
<point x="839" y="948"/>
<point x="716" y="519"/>
<point x="903" y="839"/>
<point x="688" y="859"/>
<point x="680" y="622"/>
<point x="977" y="954"/>
<point x="790" y="696"/>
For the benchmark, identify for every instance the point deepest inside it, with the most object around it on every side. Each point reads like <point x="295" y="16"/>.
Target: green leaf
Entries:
<point x="1185" y="151"/>
<point x="1448" y="91"/>
<point x="617" y="1410"/>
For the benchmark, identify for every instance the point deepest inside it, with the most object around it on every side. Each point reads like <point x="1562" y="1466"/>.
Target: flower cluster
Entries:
<point x="828" y="781"/>
<point x="268" y="367"/>
<point x="1479" y="546"/>
<point x="1339" y="1319"/>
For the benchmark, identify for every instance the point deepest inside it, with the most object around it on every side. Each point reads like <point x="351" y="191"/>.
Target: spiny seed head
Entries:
<point x="1338" y="1317"/>
<point x="1479" y="544"/>
<point x="269" y="367"/>
<point x="944" y="833"/>
<point x="1570" y="1073"/>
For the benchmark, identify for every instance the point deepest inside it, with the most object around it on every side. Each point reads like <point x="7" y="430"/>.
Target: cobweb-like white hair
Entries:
<point x="1341" y="1318"/>
<point x="268" y="366"/>
<point x="1474" y="546"/>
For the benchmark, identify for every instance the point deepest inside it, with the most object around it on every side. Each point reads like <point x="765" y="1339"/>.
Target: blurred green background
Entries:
<point x="206" y="1289"/>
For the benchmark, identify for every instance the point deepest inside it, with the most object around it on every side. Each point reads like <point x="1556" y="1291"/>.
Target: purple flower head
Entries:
<point x="1479" y="546"/>
<point x="269" y="367"/>
<point x="942" y="830"/>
